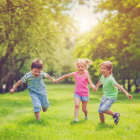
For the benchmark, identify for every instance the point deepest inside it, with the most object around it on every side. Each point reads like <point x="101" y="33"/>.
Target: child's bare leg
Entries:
<point x="109" y="112"/>
<point x="37" y="115"/>
<point x="77" y="105"/>
<point x="102" y="117"/>
<point x="84" y="107"/>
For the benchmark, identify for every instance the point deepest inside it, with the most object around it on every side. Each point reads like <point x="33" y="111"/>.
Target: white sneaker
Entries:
<point x="75" y="120"/>
<point x="86" y="117"/>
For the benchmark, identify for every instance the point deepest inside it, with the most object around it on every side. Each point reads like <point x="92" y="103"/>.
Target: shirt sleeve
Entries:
<point x="113" y="81"/>
<point x="24" y="78"/>
<point x="101" y="79"/>
<point x="43" y="74"/>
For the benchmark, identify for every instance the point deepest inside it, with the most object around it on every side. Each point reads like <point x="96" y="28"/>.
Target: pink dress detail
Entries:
<point x="81" y="85"/>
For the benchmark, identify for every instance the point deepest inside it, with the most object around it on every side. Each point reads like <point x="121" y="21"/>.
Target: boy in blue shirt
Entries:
<point x="36" y="87"/>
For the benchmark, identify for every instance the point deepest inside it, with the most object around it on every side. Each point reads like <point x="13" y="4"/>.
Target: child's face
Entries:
<point x="81" y="67"/>
<point x="36" y="72"/>
<point x="105" y="72"/>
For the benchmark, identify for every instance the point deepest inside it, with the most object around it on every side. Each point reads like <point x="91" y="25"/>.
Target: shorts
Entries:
<point x="105" y="104"/>
<point x="39" y="100"/>
<point x="86" y="98"/>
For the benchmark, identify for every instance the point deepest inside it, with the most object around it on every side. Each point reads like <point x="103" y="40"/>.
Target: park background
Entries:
<point x="49" y="29"/>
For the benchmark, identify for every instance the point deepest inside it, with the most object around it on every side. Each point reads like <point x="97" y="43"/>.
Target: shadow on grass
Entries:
<point x="104" y="126"/>
<point x="79" y="122"/>
<point x="33" y="121"/>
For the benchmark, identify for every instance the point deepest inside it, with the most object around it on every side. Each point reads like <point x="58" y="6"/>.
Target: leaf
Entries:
<point x="138" y="5"/>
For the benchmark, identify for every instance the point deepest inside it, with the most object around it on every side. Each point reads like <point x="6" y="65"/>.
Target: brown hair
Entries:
<point x="86" y="62"/>
<point x="37" y="63"/>
<point x="108" y="65"/>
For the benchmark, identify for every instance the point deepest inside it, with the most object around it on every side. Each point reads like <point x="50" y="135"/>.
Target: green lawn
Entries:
<point x="17" y="120"/>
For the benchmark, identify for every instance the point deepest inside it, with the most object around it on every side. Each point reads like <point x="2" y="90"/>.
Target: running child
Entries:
<point x="110" y="91"/>
<point x="36" y="87"/>
<point x="81" y="92"/>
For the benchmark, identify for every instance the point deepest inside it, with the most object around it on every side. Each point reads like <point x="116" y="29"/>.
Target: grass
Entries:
<point x="17" y="120"/>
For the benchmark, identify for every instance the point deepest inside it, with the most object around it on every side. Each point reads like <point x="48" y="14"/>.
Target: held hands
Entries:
<point x="12" y="91"/>
<point x="53" y="80"/>
<point x="56" y="80"/>
<point x="95" y="89"/>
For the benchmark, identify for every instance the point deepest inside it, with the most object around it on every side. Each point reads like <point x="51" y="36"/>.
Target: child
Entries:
<point x="110" y="90"/>
<point x="36" y="87"/>
<point x="81" y="90"/>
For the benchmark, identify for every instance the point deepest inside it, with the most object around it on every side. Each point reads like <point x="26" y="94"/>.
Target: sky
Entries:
<point x="85" y="15"/>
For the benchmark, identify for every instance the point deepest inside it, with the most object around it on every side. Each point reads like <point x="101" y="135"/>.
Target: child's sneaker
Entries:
<point x="86" y="117"/>
<point x="117" y="115"/>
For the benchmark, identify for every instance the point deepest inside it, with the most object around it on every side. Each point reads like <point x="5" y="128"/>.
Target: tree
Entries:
<point x="28" y="29"/>
<point x="116" y="38"/>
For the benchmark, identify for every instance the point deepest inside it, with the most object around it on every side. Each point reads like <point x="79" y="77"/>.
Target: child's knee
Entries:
<point x="84" y="109"/>
<point x="76" y="106"/>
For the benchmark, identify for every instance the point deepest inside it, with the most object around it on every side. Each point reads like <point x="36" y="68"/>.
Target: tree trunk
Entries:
<point x="123" y="81"/>
<point x="137" y="85"/>
<point x="1" y="90"/>
<point x="129" y="85"/>
<point x="137" y="90"/>
<point x="9" y="85"/>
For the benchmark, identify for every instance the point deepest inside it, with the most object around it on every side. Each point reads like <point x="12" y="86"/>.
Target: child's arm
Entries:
<point x="15" y="86"/>
<point x="65" y="76"/>
<point x="90" y="82"/>
<point x="97" y="85"/>
<point x="124" y="91"/>
<point x="52" y="79"/>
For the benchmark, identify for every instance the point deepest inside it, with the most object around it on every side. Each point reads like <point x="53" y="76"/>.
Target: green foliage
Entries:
<point x="115" y="38"/>
<point x="18" y="121"/>
<point x="31" y="29"/>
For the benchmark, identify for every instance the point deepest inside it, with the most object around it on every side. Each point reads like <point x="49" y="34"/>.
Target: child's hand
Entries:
<point x="94" y="89"/>
<point x="129" y="96"/>
<point x="12" y="91"/>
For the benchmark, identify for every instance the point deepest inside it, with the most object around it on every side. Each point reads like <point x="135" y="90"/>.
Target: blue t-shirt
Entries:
<point x="35" y="84"/>
<point x="27" y="77"/>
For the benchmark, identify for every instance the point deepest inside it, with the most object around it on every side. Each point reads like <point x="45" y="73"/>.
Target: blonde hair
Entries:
<point x="108" y="65"/>
<point x="37" y="63"/>
<point x="86" y="62"/>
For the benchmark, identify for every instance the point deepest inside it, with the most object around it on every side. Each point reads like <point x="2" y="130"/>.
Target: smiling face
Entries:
<point x="81" y="67"/>
<point x="105" y="72"/>
<point x="36" y="72"/>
